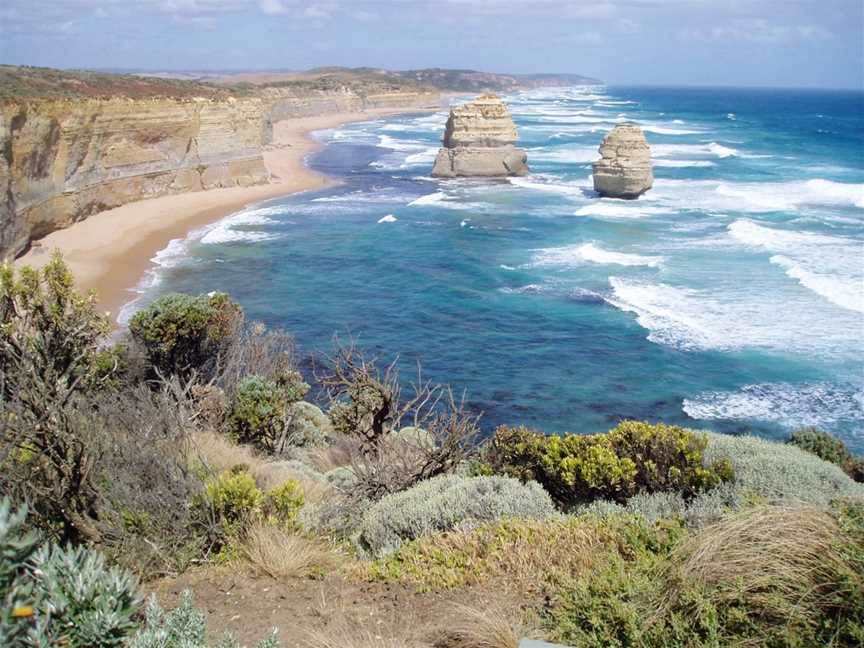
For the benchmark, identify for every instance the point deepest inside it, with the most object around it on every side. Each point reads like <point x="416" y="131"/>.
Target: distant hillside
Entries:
<point x="472" y="80"/>
<point x="30" y="83"/>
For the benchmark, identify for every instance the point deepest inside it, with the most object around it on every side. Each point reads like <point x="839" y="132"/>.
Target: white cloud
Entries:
<point x="272" y="7"/>
<point x="757" y="30"/>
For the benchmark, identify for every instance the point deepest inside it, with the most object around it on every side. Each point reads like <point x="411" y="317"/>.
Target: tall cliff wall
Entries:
<point x="64" y="160"/>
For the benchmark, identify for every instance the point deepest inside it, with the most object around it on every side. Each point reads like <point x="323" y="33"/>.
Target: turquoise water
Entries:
<point x="731" y="296"/>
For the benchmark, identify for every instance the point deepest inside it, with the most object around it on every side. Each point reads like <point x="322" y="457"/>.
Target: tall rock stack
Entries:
<point x="479" y="141"/>
<point x="624" y="168"/>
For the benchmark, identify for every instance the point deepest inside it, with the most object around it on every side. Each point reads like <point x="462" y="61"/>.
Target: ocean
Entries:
<point x="729" y="297"/>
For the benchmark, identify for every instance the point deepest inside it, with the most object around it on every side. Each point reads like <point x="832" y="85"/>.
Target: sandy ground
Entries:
<point x="111" y="251"/>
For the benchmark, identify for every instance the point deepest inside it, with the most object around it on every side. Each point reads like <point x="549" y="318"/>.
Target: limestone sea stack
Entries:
<point x="479" y="141"/>
<point x="624" y="168"/>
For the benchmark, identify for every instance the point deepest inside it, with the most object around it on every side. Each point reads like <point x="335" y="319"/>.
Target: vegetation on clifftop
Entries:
<point x="188" y="443"/>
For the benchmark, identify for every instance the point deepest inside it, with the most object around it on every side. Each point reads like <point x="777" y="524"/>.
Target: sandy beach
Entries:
<point x="111" y="251"/>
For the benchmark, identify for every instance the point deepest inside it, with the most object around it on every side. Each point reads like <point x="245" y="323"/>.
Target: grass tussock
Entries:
<point x="279" y="553"/>
<point x="784" y="562"/>
<point x="529" y="554"/>
<point x="217" y="453"/>
<point x="492" y="626"/>
<point x="343" y="631"/>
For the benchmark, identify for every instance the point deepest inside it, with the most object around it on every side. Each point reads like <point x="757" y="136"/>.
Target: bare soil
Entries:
<point x="248" y="606"/>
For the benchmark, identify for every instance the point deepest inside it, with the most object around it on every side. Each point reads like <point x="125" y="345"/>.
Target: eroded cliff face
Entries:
<point x="65" y="160"/>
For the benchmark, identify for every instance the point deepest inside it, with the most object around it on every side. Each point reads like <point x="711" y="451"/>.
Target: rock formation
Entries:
<point x="479" y="141"/>
<point x="624" y="168"/>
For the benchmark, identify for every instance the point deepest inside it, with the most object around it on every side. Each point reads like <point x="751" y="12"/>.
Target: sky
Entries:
<point x="782" y="43"/>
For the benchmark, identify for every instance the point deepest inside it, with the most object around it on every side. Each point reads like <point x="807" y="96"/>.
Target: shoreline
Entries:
<point x="112" y="251"/>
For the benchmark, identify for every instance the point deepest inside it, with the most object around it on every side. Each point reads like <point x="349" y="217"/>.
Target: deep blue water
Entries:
<point x="730" y="296"/>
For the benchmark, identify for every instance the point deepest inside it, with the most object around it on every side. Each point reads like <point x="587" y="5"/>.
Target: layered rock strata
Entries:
<point x="479" y="141"/>
<point x="624" y="168"/>
<point x="61" y="161"/>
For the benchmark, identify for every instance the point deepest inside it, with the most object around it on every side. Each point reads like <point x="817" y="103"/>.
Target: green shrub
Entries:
<point x="259" y="413"/>
<point x="54" y="595"/>
<point x="183" y="334"/>
<point x="283" y="503"/>
<point x="445" y="503"/>
<point x="778" y="472"/>
<point x="233" y="498"/>
<point x="50" y="336"/>
<point x="829" y="448"/>
<point x="183" y="627"/>
<point x="632" y="458"/>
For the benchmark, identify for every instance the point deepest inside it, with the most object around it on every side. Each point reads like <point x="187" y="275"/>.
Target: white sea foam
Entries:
<point x="722" y="151"/>
<point x="683" y="163"/>
<point x="564" y="154"/>
<point x="238" y="228"/>
<point x="730" y="318"/>
<point x="787" y="404"/>
<point x="573" y="255"/>
<point x="545" y="183"/>
<point x="530" y="289"/>
<point x="665" y="130"/>
<point x="755" y="196"/>
<point x="610" y="208"/>
<point x="830" y="266"/>
<point x="389" y="218"/>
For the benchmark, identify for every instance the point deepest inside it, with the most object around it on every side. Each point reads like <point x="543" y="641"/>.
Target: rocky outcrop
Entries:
<point x="62" y="161"/>
<point x="479" y="141"/>
<point x="624" y="168"/>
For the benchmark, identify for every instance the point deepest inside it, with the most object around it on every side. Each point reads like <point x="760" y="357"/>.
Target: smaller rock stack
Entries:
<point x="479" y="141"/>
<point x="624" y="168"/>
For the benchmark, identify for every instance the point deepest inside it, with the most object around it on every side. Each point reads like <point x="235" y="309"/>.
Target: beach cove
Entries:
<point x="111" y="251"/>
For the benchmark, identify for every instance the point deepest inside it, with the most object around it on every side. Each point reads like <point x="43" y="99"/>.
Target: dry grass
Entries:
<point x="282" y="554"/>
<point x="498" y="625"/>
<point x="785" y="562"/>
<point x="218" y="453"/>
<point x="341" y="451"/>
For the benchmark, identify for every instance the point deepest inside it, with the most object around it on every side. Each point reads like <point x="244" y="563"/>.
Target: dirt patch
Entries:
<point x="248" y="605"/>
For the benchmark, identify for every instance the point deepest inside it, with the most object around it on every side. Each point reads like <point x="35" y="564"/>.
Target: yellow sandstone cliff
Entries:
<point x="63" y="160"/>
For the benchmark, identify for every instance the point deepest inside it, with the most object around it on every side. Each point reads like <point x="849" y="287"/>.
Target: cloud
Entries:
<point x="757" y="30"/>
<point x="272" y="7"/>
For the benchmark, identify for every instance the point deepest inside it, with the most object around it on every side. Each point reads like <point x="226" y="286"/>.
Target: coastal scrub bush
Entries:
<point x="367" y="404"/>
<point x="632" y="458"/>
<point x="260" y="412"/>
<point x="49" y="358"/>
<point x="232" y="498"/>
<point x="183" y="627"/>
<point x="283" y="503"/>
<point x="769" y="576"/>
<point x="53" y="595"/>
<point x="184" y="335"/>
<point x="778" y="472"/>
<point x="829" y="448"/>
<point x="446" y="503"/>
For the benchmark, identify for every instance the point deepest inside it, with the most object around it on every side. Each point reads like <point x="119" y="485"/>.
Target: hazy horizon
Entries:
<point x="734" y="43"/>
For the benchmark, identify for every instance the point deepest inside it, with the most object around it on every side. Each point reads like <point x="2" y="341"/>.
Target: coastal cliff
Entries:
<point x="64" y="159"/>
